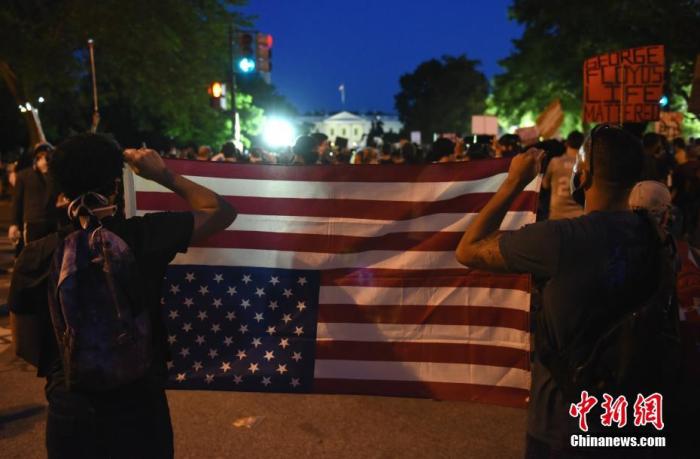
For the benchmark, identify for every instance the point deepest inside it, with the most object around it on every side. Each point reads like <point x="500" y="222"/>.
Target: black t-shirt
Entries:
<point x="154" y="239"/>
<point x="594" y="269"/>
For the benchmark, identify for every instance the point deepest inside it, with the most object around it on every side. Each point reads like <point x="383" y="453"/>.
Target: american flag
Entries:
<point x="343" y="279"/>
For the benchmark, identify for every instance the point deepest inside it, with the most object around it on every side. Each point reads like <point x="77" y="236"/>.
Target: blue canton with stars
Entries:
<point x="247" y="329"/>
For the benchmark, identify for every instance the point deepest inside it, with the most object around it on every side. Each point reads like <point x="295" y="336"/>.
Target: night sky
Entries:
<point x="369" y="44"/>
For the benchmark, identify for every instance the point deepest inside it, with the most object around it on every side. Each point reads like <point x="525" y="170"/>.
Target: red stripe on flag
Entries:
<point x="417" y="241"/>
<point x="506" y="396"/>
<point x="377" y="277"/>
<point x="463" y="353"/>
<point x="487" y="316"/>
<point x="452" y="172"/>
<point x="348" y="208"/>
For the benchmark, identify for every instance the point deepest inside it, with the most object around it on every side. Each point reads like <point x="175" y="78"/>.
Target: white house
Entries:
<point x="353" y="127"/>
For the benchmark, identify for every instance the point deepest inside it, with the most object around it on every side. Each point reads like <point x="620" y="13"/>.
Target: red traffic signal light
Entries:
<point x="264" y="52"/>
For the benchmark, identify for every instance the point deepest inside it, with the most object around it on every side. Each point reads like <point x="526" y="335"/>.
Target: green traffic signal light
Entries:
<point x="246" y="65"/>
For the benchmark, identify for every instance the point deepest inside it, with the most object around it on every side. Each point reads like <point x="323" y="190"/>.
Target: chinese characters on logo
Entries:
<point x="647" y="410"/>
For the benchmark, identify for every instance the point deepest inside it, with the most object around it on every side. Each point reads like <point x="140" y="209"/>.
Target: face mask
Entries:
<point x="84" y="205"/>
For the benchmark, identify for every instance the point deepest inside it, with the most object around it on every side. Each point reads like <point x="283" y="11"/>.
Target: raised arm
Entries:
<point x="479" y="247"/>
<point x="211" y="212"/>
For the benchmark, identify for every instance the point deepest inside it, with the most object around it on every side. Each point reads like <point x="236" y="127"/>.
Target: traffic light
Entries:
<point x="217" y="95"/>
<point x="245" y="59"/>
<point x="264" y="52"/>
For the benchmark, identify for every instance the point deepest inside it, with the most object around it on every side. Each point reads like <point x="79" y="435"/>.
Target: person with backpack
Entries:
<point x="606" y="322"/>
<point x="99" y="338"/>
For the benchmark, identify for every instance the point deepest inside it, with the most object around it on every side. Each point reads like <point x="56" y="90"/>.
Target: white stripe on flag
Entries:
<point x="426" y="296"/>
<point x="423" y="371"/>
<point x="363" y="227"/>
<point x="389" y="259"/>
<point x="458" y="334"/>
<point x="379" y="191"/>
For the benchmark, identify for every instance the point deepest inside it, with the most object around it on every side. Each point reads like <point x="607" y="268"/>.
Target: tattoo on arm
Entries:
<point x="486" y="254"/>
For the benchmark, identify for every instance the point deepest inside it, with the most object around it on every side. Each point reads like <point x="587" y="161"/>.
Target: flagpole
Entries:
<point x="95" y="108"/>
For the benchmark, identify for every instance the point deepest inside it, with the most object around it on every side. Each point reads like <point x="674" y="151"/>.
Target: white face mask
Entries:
<point x="80" y="206"/>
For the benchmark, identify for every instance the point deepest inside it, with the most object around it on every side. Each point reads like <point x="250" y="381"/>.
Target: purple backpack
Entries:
<point x="102" y="325"/>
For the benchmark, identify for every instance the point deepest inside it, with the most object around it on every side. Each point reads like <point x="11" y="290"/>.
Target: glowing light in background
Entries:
<point x="278" y="132"/>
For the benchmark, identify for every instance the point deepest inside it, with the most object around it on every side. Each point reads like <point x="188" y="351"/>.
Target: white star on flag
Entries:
<point x="243" y="329"/>
<point x="203" y="290"/>
<point x="246" y="279"/>
<point x="217" y="303"/>
<point x="287" y="293"/>
<point x="281" y="369"/>
<point x="172" y="339"/>
<point x="241" y="354"/>
<point x="174" y="289"/>
<point x="287" y="318"/>
<point x="256" y="342"/>
<point x="216" y="328"/>
<point x="187" y="327"/>
<point x="237" y="379"/>
<point x="295" y="382"/>
<point x="245" y="304"/>
<point x="197" y="366"/>
<point x="218" y="278"/>
<point x="202" y="315"/>
<point x="180" y="377"/>
<point x="189" y="277"/>
<point x="185" y="351"/>
<point x="284" y="343"/>
<point x="301" y="306"/>
<point x="232" y="291"/>
<point x="273" y="305"/>
<point x="200" y="340"/>
<point x="269" y="355"/>
<point x="225" y="366"/>
<point x="271" y="330"/>
<point x="302" y="281"/>
<point x="230" y="315"/>
<point x="298" y="331"/>
<point x="170" y="364"/>
<point x="297" y="356"/>
<point x="274" y="280"/>
<point x="213" y="353"/>
<point x="253" y="368"/>
<point x="260" y="292"/>
<point x="209" y="378"/>
<point x="173" y="314"/>
<point x="188" y="302"/>
<point x="228" y="341"/>
<point x="258" y="317"/>
<point x="266" y="381"/>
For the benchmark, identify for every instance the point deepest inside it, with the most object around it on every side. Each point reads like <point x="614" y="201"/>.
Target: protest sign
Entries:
<point x="694" y="102"/>
<point x="624" y="86"/>
<point x="528" y="135"/>
<point x="550" y="120"/>
<point x="484" y="125"/>
<point x="416" y="137"/>
<point x="670" y="125"/>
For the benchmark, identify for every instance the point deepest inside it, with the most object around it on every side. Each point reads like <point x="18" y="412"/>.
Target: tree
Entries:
<point x="548" y="59"/>
<point x="266" y="96"/>
<point x="441" y="96"/>
<point x="154" y="62"/>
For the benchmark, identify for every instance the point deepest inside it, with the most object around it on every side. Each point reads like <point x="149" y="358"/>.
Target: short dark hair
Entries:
<point x="442" y="147"/>
<point x="679" y="142"/>
<point x="305" y="147"/>
<point x="574" y="140"/>
<point x="320" y="137"/>
<point x="618" y="157"/>
<point x="87" y="162"/>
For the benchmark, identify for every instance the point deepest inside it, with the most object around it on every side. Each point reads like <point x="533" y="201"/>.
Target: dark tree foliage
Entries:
<point x="559" y="35"/>
<point x="154" y="62"/>
<point x="441" y="96"/>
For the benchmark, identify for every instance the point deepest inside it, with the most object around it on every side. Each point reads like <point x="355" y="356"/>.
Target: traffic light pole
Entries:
<point x="232" y="83"/>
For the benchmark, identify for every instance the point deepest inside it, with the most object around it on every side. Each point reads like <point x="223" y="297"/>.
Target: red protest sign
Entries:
<point x="624" y="86"/>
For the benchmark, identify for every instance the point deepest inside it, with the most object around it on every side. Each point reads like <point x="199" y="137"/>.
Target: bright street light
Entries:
<point x="278" y="132"/>
<point x="246" y="65"/>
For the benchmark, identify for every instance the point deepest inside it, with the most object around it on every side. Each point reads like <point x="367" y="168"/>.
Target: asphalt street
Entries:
<point x="211" y="424"/>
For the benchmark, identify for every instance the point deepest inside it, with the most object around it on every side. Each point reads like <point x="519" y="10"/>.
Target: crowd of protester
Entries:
<point x="632" y="171"/>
